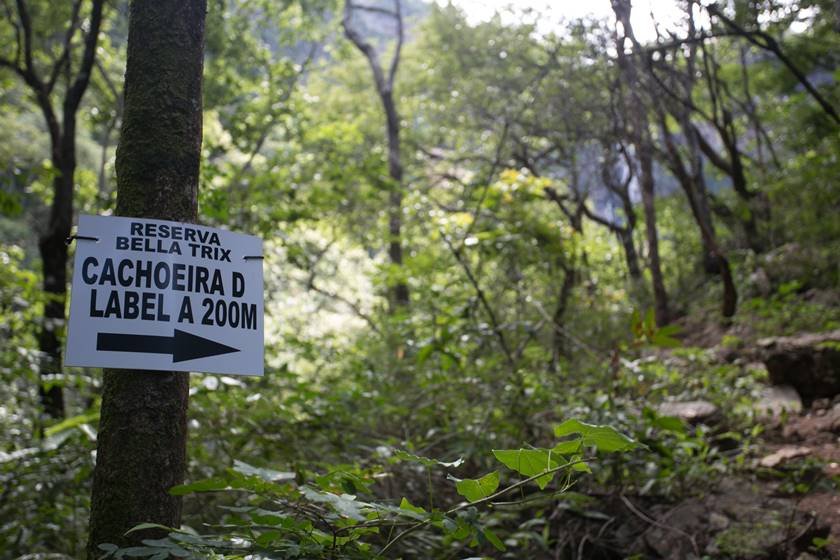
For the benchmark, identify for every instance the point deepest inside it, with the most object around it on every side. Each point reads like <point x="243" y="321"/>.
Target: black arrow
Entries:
<point x="183" y="345"/>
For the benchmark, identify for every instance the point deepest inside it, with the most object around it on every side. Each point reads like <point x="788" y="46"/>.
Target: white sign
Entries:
<point x="151" y="294"/>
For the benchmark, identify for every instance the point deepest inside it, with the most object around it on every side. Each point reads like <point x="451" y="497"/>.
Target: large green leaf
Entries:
<point x="528" y="462"/>
<point x="604" y="438"/>
<point x="476" y="489"/>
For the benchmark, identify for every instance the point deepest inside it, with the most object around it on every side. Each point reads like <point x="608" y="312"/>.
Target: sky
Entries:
<point x="665" y="11"/>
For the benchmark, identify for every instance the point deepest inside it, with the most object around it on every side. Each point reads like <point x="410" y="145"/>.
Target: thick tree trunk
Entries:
<point x="660" y="295"/>
<point x="143" y="425"/>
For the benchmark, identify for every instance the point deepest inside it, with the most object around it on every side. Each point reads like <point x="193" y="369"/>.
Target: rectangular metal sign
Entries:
<point x="159" y="295"/>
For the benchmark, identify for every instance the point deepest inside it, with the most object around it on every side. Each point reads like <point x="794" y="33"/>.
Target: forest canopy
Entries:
<point x="536" y="286"/>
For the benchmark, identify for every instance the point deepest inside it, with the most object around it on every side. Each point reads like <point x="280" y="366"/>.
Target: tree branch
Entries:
<point x="768" y="43"/>
<point x="65" y="52"/>
<point x="77" y="89"/>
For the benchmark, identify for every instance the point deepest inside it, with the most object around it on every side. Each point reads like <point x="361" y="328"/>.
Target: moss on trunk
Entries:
<point x="143" y="425"/>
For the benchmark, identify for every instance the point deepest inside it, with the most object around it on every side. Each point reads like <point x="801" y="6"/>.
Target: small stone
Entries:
<point x="693" y="412"/>
<point x="778" y="399"/>
<point x="718" y="522"/>
<point x="782" y="455"/>
<point x="821" y="404"/>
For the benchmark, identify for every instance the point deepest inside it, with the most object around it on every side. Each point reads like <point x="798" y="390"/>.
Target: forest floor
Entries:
<point x="782" y="503"/>
<point x="809" y="442"/>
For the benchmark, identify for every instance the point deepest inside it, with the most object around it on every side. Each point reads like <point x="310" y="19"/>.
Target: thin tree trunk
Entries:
<point x="141" y="450"/>
<point x="51" y="243"/>
<point x="398" y="293"/>
<point x="631" y="257"/>
<point x="660" y="295"/>
<point x="53" y="250"/>
<point x="638" y="110"/>
<point x="558" y="346"/>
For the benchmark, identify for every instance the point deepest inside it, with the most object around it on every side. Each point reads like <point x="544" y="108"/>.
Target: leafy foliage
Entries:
<point x="522" y="389"/>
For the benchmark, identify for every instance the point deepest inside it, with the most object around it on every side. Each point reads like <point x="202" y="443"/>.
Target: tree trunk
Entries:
<point x="399" y="292"/>
<point x="141" y="450"/>
<point x="398" y="295"/>
<point x="660" y="295"/>
<point x="53" y="249"/>
<point x="631" y="257"/>
<point x="558" y="346"/>
<point x="53" y="252"/>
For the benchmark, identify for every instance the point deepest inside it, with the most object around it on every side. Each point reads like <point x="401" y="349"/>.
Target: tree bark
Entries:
<point x="558" y="342"/>
<point x="398" y="293"/>
<point x="141" y="450"/>
<point x="643" y="143"/>
<point x="646" y="183"/>
<point x="51" y="242"/>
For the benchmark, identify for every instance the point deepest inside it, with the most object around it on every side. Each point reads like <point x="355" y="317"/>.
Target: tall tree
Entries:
<point x="384" y="82"/>
<point x="637" y="106"/>
<point x="141" y="451"/>
<point x="687" y="167"/>
<point x="58" y="89"/>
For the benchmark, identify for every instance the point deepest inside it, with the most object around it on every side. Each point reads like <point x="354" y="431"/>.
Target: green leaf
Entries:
<point x="568" y="447"/>
<point x="669" y="330"/>
<point x="666" y="423"/>
<point x="144" y="526"/>
<point x="528" y="462"/>
<point x="427" y="462"/>
<point x="476" y="489"/>
<point x="72" y="422"/>
<point x="343" y="504"/>
<point x="424" y="353"/>
<point x="579" y="465"/>
<point x="406" y="505"/>
<point x="410" y="510"/>
<point x="493" y="539"/>
<point x="268" y="475"/>
<point x="664" y="341"/>
<point x="604" y="438"/>
<point x="268" y="537"/>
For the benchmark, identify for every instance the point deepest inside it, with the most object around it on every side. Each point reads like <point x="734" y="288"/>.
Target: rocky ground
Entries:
<point x="783" y="504"/>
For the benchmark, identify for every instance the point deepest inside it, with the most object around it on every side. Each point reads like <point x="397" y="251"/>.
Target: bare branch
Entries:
<point x="395" y="61"/>
<point x="77" y="89"/>
<point x="491" y="315"/>
<point x="64" y="59"/>
<point x="767" y="42"/>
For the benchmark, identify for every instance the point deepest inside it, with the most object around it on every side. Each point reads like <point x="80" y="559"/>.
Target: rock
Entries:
<point x="793" y="263"/>
<point x="821" y="404"/>
<point x="693" y="412"/>
<point x="784" y="454"/>
<point x="673" y="539"/>
<point x="778" y="399"/>
<point x="759" y="283"/>
<point x="809" y="362"/>
<point x="718" y="522"/>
